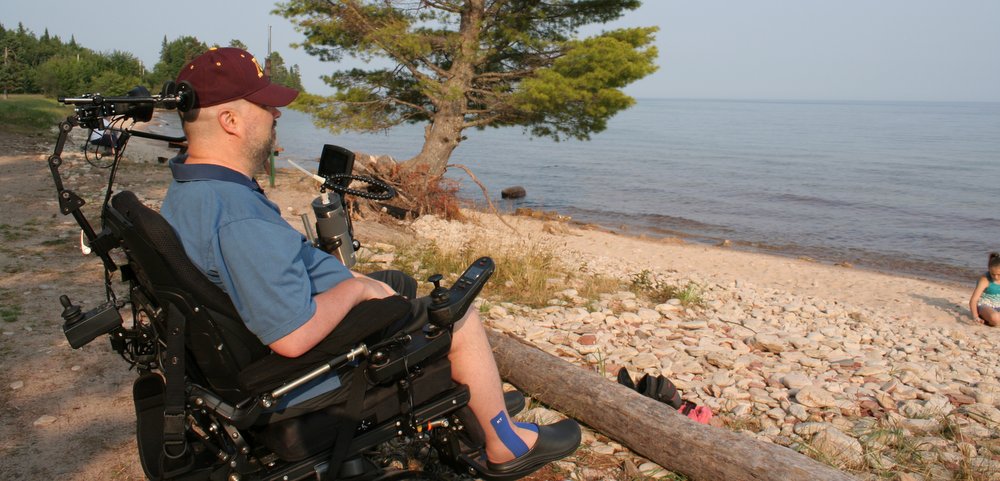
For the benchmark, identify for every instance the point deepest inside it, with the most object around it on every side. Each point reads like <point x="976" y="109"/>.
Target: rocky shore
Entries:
<point x="850" y="384"/>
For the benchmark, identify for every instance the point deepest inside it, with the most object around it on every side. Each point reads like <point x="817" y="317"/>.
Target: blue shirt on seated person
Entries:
<point x="271" y="280"/>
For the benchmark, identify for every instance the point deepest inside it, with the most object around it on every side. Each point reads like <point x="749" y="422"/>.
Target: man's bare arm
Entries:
<point x="331" y="308"/>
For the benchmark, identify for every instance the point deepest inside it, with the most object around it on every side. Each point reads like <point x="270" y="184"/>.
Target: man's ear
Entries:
<point x="230" y="120"/>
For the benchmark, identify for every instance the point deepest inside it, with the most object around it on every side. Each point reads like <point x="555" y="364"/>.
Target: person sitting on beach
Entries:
<point x="985" y="301"/>
<point x="103" y="137"/>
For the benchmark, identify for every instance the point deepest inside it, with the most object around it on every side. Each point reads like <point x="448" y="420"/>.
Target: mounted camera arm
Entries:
<point x="71" y="203"/>
<point x="90" y="110"/>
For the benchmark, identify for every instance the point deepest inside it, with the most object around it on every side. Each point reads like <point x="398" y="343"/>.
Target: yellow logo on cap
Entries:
<point x="260" y="71"/>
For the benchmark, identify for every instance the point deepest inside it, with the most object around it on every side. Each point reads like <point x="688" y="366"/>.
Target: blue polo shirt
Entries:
<point x="238" y="239"/>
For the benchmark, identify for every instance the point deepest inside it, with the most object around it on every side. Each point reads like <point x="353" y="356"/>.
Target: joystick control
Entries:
<point x="450" y="305"/>
<point x="439" y="295"/>
<point x="71" y="313"/>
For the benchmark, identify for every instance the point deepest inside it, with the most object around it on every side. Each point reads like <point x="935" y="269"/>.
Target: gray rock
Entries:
<point x="815" y="397"/>
<point x="838" y="445"/>
<point x="770" y="342"/>
<point x="694" y="325"/>
<point x="799" y="411"/>
<point x="796" y="380"/>
<point x="981" y="411"/>
<point x="44" y="420"/>
<point x="809" y="429"/>
<point x="514" y="192"/>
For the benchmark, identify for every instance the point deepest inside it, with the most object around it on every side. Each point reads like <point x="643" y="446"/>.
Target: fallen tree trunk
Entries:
<point x="648" y="427"/>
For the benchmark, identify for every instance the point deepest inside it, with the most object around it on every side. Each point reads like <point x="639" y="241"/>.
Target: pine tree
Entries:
<point x="471" y="64"/>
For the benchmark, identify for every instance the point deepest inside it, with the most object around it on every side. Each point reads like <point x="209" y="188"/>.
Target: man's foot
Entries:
<point x="555" y="441"/>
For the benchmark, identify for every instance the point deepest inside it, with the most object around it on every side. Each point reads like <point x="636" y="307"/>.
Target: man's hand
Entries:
<point x="376" y="289"/>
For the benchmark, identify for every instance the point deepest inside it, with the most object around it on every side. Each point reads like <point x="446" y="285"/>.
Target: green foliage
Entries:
<point x="88" y="72"/>
<point x="647" y="286"/>
<point x="282" y="74"/>
<point x="10" y="313"/>
<point x="580" y="92"/>
<point x="47" y="65"/>
<point x="465" y="64"/>
<point x="174" y="55"/>
<point x="30" y="114"/>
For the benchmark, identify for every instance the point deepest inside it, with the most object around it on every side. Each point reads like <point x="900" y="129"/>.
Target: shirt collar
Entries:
<point x="183" y="172"/>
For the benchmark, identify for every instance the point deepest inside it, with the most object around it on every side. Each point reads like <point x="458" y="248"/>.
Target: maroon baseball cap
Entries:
<point x="222" y="75"/>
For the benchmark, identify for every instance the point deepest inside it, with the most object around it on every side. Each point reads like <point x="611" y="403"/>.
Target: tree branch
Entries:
<point x="486" y="195"/>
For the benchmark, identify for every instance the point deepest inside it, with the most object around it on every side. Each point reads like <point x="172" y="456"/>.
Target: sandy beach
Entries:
<point x="812" y="352"/>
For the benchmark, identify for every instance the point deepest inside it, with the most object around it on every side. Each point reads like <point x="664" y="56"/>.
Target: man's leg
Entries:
<point x="472" y="364"/>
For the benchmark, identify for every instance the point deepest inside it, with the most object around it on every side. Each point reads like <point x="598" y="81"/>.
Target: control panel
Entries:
<point x="449" y="305"/>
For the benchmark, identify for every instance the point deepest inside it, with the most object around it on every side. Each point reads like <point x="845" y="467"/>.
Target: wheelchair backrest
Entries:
<point x="217" y="339"/>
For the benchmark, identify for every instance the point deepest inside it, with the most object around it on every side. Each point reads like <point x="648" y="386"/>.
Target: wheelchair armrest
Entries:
<point x="367" y="318"/>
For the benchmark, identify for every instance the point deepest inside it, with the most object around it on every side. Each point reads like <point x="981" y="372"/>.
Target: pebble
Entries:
<point x="17" y="385"/>
<point x="815" y="397"/>
<point x="838" y="445"/>
<point x="796" y="380"/>
<point x="652" y="470"/>
<point x="44" y="420"/>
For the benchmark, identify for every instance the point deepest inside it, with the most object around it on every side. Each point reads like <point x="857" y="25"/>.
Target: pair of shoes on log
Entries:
<point x="662" y="389"/>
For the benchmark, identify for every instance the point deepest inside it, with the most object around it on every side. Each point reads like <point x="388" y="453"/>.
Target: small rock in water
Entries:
<point x="515" y="192"/>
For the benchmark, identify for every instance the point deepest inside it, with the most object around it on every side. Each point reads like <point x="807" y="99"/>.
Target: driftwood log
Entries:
<point x="700" y="452"/>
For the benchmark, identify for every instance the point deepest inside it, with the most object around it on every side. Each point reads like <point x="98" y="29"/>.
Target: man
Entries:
<point x="290" y="294"/>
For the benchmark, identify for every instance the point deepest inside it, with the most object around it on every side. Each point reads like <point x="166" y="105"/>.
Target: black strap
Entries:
<point x="350" y="419"/>
<point x="176" y="457"/>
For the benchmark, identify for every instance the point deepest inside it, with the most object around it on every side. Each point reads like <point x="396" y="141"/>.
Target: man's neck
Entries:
<point x="241" y="167"/>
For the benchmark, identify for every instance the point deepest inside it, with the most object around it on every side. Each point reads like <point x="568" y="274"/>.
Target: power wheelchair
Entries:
<point x="213" y="403"/>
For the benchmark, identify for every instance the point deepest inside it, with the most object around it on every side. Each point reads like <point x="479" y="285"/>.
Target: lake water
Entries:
<point x="902" y="187"/>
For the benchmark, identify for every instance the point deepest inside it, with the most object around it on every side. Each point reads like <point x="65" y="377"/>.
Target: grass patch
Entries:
<point x="748" y="424"/>
<point x="11" y="233"/>
<point x="10" y="313"/>
<point x="890" y="449"/>
<point x="645" y="285"/>
<point x="522" y="275"/>
<point x="527" y="274"/>
<point x="31" y="114"/>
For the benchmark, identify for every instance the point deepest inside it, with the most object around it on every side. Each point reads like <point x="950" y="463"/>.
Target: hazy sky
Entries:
<point x="762" y="49"/>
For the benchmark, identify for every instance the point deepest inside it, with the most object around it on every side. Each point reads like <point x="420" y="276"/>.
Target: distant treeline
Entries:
<point x="50" y="66"/>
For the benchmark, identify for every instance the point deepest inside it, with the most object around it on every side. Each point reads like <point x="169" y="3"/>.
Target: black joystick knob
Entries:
<point x="439" y="295"/>
<point x="70" y="312"/>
